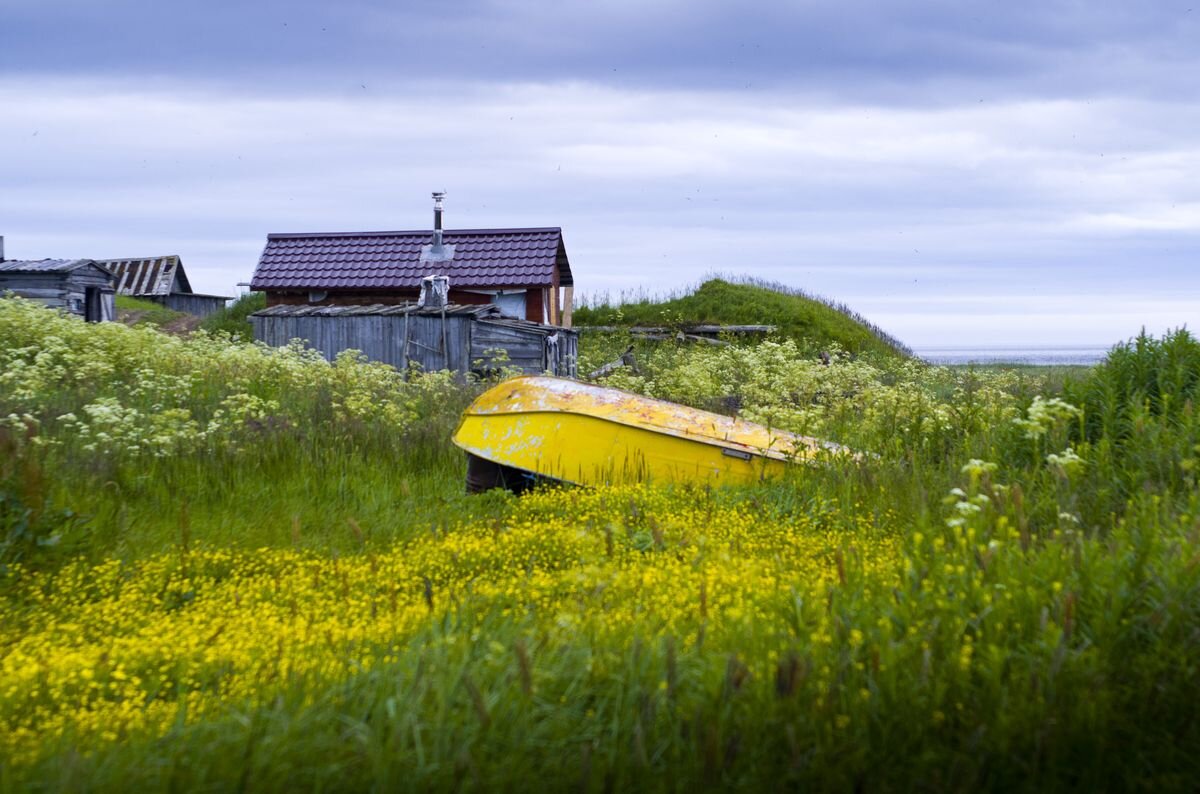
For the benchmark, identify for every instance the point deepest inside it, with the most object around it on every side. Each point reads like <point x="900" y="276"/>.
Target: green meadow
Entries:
<point x="229" y="567"/>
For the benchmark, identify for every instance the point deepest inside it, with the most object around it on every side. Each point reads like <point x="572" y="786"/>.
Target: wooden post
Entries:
<point x="568" y="306"/>
<point x="405" y="352"/>
<point x="445" y="350"/>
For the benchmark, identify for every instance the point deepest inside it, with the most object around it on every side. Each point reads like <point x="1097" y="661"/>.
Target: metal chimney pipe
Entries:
<point x="1" y="247"/>
<point x="438" y="195"/>
<point x="437" y="251"/>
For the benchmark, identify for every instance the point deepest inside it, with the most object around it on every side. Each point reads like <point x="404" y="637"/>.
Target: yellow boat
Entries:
<point x="542" y="427"/>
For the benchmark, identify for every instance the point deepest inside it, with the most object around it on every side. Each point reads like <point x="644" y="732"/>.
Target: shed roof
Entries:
<point x="483" y="258"/>
<point x="488" y="311"/>
<point x="154" y="275"/>
<point x="47" y="265"/>
<point x="375" y="309"/>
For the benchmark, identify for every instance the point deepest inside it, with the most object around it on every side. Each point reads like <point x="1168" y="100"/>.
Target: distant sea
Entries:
<point x="1038" y="355"/>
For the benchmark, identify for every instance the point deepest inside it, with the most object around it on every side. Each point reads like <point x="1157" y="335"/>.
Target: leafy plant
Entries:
<point x="234" y="319"/>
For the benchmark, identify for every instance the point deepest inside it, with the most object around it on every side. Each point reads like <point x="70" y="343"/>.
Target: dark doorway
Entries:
<point x="92" y="311"/>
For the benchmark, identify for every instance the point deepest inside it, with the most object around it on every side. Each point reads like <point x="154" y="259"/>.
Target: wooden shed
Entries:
<point x="161" y="279"/>
<point x="524" y="271"/>
<point x="78" y="286"/>
<point x="461" y="338"/>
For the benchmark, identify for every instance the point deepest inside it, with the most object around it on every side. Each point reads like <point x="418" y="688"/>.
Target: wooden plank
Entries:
<point x="498" y="332"/>
<point x="611" y="329"/>
<point x="404" y="349"/>
<point x="382" y="338"/>
<point x="729" y="329"/>
<point x="199" y="305"/>
<point x="514" y="350"/>
<point x="32" y="282"/>
<point x="458" y="344"/>
<point x="537" y="341"/>
<point x="92" y="278"/>
<point x="32" y="294"/>
<point x="690" y="329"/>
<point x="568" y="306"/>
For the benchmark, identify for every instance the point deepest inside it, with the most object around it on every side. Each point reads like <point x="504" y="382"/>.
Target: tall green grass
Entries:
<point x="238" y="443"/>
<point x="234" y="318"/>
<point x="145" y="311"/>
<point x="1077" y="585"/>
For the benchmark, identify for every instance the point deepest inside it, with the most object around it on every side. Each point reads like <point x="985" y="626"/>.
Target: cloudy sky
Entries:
<point x="986" y="173"/>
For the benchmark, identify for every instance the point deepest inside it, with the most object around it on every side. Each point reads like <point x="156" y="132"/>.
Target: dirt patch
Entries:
<point x="179" y="325"/>
<point x="182" y="325"/>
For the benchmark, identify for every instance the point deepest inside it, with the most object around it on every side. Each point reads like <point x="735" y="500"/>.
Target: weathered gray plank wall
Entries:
<point x="85" y="278"/>
<point x="525" y="349"/>
<point x="568" y="355"/>
<point x="47" y="288"/>
<point x="436" y="342"/>
<point x="533" y="350"/>
<point x="67" y="290"/>
<point x="460" y="341"/>
<point x="199" y="305"/>
<point x="433" y="342"/>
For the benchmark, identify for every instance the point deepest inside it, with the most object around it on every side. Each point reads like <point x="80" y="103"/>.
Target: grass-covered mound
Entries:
<point x="797" y="315"/>
<point x="137" y="311"/>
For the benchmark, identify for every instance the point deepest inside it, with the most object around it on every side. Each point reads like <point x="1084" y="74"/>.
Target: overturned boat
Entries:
<point x="538" y="427"/>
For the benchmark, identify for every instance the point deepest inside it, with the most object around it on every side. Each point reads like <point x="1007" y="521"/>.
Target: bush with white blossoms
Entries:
<point x="111" y="389"/>
<point x="1066" y="462"/>
<point x="781" y="385"/>
<point x="1046" y="415"/>
<point x="107" y="426"/>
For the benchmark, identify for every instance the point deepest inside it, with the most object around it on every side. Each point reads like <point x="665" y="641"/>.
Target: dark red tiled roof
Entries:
<point x="386" y="260"/>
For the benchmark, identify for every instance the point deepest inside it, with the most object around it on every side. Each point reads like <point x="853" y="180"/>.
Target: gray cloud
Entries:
<point x="1073" y="214"/>
<point x="1027" y="159"/>
<point x="931" y="52"/>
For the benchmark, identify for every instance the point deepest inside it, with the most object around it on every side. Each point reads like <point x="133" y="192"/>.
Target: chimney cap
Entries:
<point x="435" y="292"/>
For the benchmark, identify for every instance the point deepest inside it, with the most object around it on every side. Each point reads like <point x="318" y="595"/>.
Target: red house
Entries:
<point x="525" y="272"/>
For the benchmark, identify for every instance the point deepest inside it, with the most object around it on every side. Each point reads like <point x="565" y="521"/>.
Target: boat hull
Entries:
<point x="590" y="435"/>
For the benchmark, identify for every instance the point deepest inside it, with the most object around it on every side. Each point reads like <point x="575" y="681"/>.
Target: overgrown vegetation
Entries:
<point x="136" y="311"/>
<point x="230" y="567"/>
<point x="798" y="316"/>
<point x="138" y="430"/>
<point x="234" y="318"/>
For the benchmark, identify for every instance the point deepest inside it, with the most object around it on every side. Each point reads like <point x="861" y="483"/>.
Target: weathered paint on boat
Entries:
<point x="591" y="435"/>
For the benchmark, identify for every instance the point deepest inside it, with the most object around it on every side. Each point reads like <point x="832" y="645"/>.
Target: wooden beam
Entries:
<point x="568" y="305"/>
<point x="702" y="330"/>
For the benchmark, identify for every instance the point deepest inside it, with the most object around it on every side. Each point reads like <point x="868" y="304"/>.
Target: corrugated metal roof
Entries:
<point x="486" y="258"/>
<point x="376" y="309"/>
<point x="154" y="275"/>
<point x="45" y="265"/>
<point x="488" y="311"/>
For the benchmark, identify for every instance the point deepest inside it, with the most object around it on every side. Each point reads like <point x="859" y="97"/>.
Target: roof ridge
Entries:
<point x="48" y="264"/>
<point x="139" y="258"/>
<point x="412" y="232"/>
